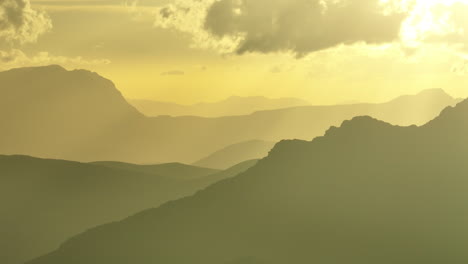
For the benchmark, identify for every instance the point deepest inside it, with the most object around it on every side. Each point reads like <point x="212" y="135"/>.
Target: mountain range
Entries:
<point x="44" y="202"/>
<point x="236" y="153"/>
<point x="79" y="115"/>
<point x="234" y="105"/>
<point x="367" y="192"/>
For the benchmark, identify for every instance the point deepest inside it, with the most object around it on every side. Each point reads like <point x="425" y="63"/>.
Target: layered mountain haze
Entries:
<point x="367" y="192"/>
<point x="209" y="132"/>
<point x="424" y="106"/>
<point x="234" y="154"/>
<point x="173" y="170"/>
<point x="234" y="105"/>
<point x="78" y="115"/>
<point x="44" y="202"/>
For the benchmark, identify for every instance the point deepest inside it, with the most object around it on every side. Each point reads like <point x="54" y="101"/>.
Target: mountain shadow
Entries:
<point x="50" y="112"/>
<point x="365" y="193"/>
<point x="234" y="154"/>
<point x="44" y="202"/>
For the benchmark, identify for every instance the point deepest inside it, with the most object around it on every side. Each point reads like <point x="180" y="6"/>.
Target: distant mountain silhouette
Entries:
<point x="232" y="106"/>
<point x="234" y="154"/>
<point x="52" y="112"/>
<point x="424" y="106"/>
<point x="44" y="202"/>
<point x="173" y="170"/>
<point x="365" y="193"/>
<point x="230" y="172"/>
<point x="77" y="115"/>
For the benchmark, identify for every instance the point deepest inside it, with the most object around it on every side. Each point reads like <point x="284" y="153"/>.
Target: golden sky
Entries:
<point x="187" y="51"/>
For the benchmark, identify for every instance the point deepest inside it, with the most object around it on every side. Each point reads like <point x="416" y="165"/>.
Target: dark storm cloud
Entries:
<point x="302" y="26"/>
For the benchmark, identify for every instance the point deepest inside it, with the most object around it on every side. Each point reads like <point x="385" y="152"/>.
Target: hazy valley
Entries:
<point x="366" y="192"/>
<point x="93" y="173"/>
<point x="44" y="202"/>
<point x="233" y="132"/>
<point x="66" y="113"/>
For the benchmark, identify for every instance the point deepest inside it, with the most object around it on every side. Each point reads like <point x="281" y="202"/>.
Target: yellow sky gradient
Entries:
<point x="177" y="62"/>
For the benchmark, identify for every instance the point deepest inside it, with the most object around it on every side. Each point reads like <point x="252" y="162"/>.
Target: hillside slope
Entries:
<point x="43" y="202"/>
<point x="234" y="154"/>
<point x="365" y="193"/>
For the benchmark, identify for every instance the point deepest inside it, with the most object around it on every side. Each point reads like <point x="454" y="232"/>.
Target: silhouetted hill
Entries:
<point x="425" y="106"/>
<point x="365" y="193"/>
<point x="230" y="155"/>
<point x="52" y="112"/>
<point x="77" y="115"/>
<point x="231" y="171"/>
<point x="44" y="202"/>
<point x="173" y="170"/>
<point x="234" y="105"/>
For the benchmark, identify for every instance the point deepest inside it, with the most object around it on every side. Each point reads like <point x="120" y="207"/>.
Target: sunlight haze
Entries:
<point x="180" y="59"/>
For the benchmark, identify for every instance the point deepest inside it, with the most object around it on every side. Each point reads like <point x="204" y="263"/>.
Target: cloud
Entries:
<point x="17" y="58"/>
<point x="302" y="26"/>
<point x="298" y="26"/>
<point x="20" y="23"/>
<point x="276" y="69"/>
<point x="450" y="25"/>
<point x="173" y="73"/>
<point x="460" y="68"/>
<point x="10" y="57"/>
<point x="189" y="16"/>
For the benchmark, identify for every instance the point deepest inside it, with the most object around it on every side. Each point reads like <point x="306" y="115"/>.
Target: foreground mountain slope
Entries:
<point x="78" y="115"/>
<point x="43" y="202"/>
<point x="234" y="105"/>
<point x="233" y="154"/>
<point x="365" y="193"/>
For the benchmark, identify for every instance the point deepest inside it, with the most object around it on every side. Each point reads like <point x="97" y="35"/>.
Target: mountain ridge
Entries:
<point x="44" y="201"/>
<point x="231" y="106"/>
<point x="233" y="154"/>
<point x="78" y="115"/>
<point x="366" y="192"/>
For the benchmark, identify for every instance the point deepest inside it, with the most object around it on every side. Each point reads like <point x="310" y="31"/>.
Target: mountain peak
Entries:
<point x="54" y="70"/>
<point x="359" y="128"/>
<point x="52" y="67"/>
<point x="58" y="104"/>
<point x="430" y="95"/>
<point x="434" y="91"/>
<point x="456" y="113"/>
<point x="54" y="80"/>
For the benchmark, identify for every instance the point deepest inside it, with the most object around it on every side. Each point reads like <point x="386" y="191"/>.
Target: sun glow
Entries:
<point x="425" y="47"/>
<point x="429" y="18"/>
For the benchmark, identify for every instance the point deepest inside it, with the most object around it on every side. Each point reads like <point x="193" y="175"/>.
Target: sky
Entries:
<point x="189" y="51"/>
